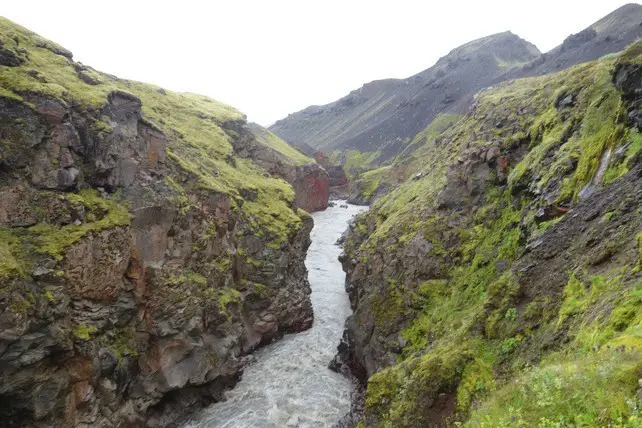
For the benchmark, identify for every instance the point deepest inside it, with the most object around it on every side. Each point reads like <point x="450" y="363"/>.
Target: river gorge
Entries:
<point x="288" y="383"/>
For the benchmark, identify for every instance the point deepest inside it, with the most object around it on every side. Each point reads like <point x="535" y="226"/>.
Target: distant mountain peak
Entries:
<point x="382" y="116"/>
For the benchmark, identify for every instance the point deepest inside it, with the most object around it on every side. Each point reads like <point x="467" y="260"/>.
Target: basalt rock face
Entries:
<point x="336" y="174"/>
<point x="337" y="178"/>
<point x="508" y="263"/>
<point x="143" y="249"/>
<point x="310" y="180"/>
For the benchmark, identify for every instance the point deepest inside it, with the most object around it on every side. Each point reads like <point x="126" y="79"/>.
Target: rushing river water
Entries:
<point x="289" y="384"/>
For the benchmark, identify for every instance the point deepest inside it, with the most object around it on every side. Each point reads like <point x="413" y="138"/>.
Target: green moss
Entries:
<point x="451" y="306"/>
<point x="123" y="343"/>
<point x="570" y="146"/>
<point x="274" y="245"/>
<point x="227" y="297"/>
<point x="20" y="305"/>
<point x="593" y="390"/>
<point x="53" y="240"/>
<point x="12" y="258"/>
<point x="474" y="301"/>
<point x="618" y="169"/>
<point x="510" y="345"/>
<point x="198" y="140"/>
<point x="261" y="290"/>
<point x="371" y="188"/>
<point x="390" y="304"/>
<point x="181" y="200"/>
<point x="511" y="314"/>
<point x="399" y="395"/>
<point x="223" y="263"/>
<point x="613" y="315"/>
<point x="223" y="297"/>
<point x="187" y="277"/>
<point x="196" y="278"/>
<point x="53" y="75"/>
<point x="253" y="262"/>
<point x="477" y="380"/>
<point x="49" y="296"/>
<point x="437" y="127"/>
<point x="631" y="55"/>
<point x="269" y="139"/>
<point x="354" y="161"/>
<point x="578" y="295"/>
<point x="84" y="332"/>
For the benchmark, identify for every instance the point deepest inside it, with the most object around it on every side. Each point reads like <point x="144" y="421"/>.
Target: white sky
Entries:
<point x="269" y="58"/>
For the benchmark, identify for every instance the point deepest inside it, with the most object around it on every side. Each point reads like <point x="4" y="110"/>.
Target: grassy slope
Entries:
<point x="444" y="349"/>
<point x="367" y="180"/>
<point x="269" y="139"/>
<point x="198" y="143"/>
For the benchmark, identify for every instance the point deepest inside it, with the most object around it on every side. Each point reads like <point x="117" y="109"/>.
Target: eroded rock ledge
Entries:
<point x="130" y="292"/>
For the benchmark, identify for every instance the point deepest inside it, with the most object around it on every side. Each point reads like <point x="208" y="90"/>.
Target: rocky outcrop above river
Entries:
<point x="499" y="284"/>
<point x="311" y="180"/>
<point x="143" y="249"/>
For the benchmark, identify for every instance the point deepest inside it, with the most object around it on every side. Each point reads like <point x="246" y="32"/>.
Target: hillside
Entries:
<point x="374" y="124"/>
<point x="311" y="182"/>
<point x="500" y="284"/>
<point x="143" y="249"/>
<point x="382" y="115"/>
<point x="610" y="34"/>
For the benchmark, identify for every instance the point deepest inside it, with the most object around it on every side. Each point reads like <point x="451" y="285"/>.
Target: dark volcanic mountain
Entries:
<point x="383" y="115"/>
<point x="610" y="34"/>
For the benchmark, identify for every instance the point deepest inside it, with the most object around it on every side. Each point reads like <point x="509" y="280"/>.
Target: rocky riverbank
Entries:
<point x="509" y="259"/>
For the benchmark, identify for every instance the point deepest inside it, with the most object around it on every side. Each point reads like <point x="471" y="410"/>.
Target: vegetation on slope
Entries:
<point x="199" y="142"/>
<point x="136" y="230"/>
<point x="369" y="183"/>
<point x="382" y="116"/>
<point x="468" y="335"/>
<point x="269" y="139"/>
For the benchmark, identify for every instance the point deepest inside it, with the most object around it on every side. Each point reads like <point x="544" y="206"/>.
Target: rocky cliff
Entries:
<point x="311" y="180"/>
<point x="500" y="284"/>
<point x="143" y="250"/>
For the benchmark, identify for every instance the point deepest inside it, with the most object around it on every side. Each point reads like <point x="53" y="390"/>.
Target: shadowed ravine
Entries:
<point x="289" y="384"/>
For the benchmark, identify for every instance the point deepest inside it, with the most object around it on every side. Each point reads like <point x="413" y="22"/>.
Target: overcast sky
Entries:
<point x="269" y="58"/>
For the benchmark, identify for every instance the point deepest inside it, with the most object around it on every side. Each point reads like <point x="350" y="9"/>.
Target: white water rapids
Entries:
<point x="289" y="384"/>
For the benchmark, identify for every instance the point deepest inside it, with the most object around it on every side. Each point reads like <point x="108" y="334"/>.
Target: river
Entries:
<point x="288" y="383"/>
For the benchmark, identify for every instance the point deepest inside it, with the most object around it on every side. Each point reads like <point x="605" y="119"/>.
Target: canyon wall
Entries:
<point x="143" y="250"/>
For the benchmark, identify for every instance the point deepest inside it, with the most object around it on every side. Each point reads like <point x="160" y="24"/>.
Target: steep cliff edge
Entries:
<point x="500" y="284"/>
<point x="311" y="181"/>
<point x="142" y="250"/>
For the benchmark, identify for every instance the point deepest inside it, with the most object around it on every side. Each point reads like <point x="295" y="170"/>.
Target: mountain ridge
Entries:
<point x="395" y="99"/>
<point x="384" y="115"/>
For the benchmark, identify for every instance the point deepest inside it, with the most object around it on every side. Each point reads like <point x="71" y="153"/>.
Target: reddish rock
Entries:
<point x="79" y="369"/>
<point x="83" y="391"/>
<point x="336" y="174"/>
<point x="95" y="267"/>
<point x="311" y="188"/>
